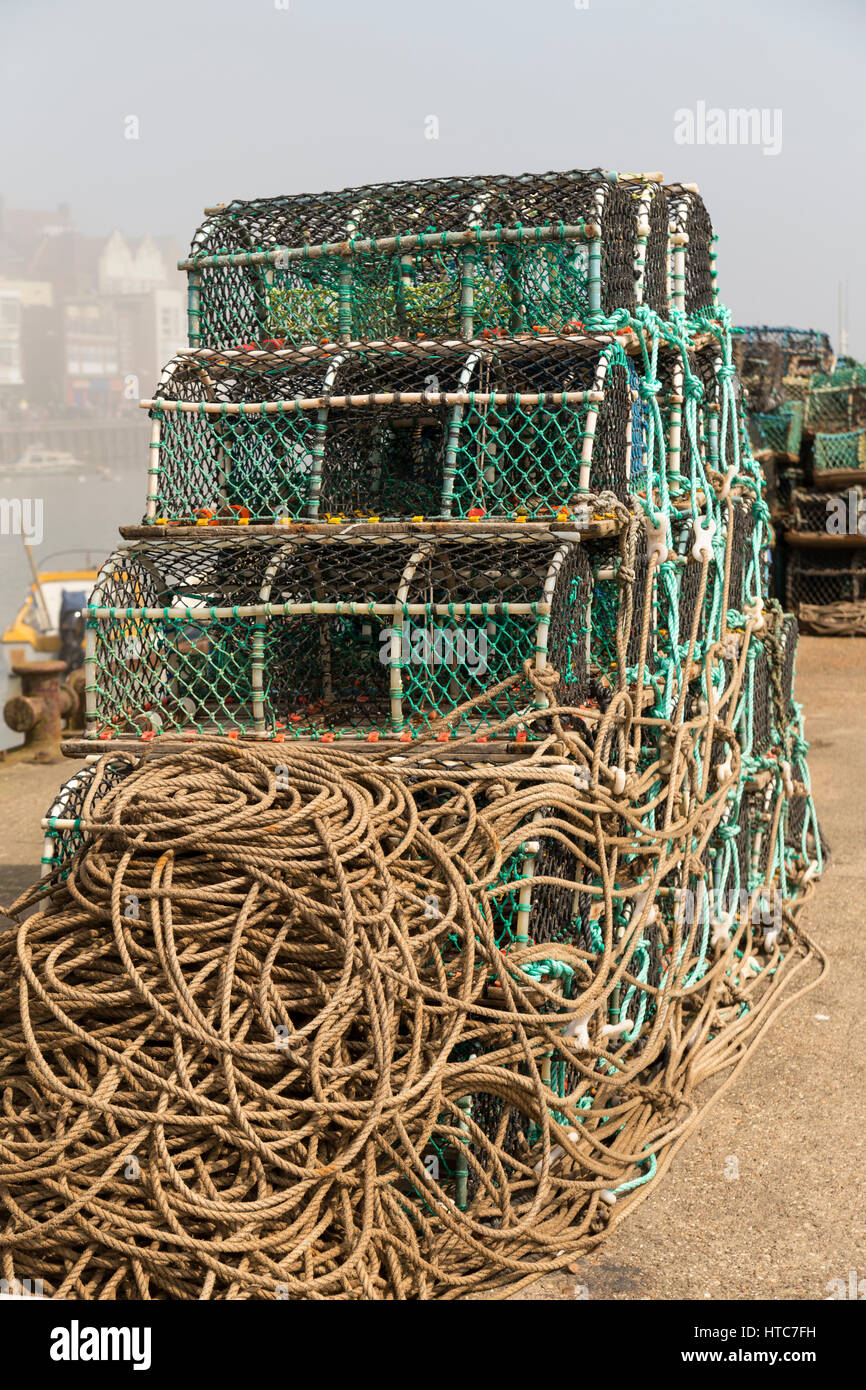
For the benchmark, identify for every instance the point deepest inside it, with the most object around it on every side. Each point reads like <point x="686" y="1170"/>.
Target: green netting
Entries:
<point x="519" y="459"/>
<point x="781" y="429"/>
<point x="437" y="258"/>
<point x="511" y="430"/>
<point x="302" y="640"/>
<point x="835" y="408"/>
<point x="847" y="372"/>
<point x="249" y="464"/>
<point x="839" y="451"/>
<point x="541" y="289"/>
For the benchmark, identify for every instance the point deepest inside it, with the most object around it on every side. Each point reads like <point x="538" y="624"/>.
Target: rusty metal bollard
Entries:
<point x="38" y="712"/>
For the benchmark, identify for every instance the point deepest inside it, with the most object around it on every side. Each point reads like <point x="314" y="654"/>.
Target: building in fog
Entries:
<point x="86" y="323"/>
<point x="11" y="356"/>
<point x="29" y="338"/>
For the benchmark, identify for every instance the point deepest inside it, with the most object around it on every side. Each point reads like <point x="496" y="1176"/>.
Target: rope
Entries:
<point x="265" y="1040"/>
<point x="842" y="619"/>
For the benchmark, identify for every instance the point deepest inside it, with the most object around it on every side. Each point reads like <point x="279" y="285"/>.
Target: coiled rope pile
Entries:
<point x="268" y="1002"/>
<point x="843" y="619"/>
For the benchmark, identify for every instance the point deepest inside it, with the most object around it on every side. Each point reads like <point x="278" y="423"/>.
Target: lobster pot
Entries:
<point x="692" y="251"/>
<point x="779" y="430"/>
<point x="760" y="368"/>
<point x="835" y="454"/>
<point x="316" y="637"/>
<point x="828" y="513"/>
<point x="432" y="259"/>
<point x="65" y="823"/>
<point x="836" y="408"/>
<point x="803" y="350"/>
<point x="513" y="430"/>
<point x="825" y="576"/>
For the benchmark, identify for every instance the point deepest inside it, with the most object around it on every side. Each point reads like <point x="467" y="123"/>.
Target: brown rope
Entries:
<point x="847" y="618"/>
<point x="251" y="1042"/>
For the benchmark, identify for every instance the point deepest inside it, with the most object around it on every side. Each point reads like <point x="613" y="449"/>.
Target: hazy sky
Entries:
<point x="243" y="98"/>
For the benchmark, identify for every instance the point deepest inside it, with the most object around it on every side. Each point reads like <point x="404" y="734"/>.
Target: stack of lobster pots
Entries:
<point x="807" y="419"/>
<point x="439" y="457"/>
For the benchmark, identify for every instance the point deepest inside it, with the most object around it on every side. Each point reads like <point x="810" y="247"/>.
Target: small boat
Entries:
<point x="36" y="460"/>
<point x="49" y="625"/>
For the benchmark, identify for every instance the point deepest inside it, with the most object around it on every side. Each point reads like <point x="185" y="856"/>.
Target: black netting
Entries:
<point x="403" y="290"/>
<point x="197" y="637"/>
<point x="387" y="209"/>
<point x="656" y="266"/>
<point x="388" y="431"/>
<point x="813" y="510"/>
<point x="825" y="576"/>
<point x="688" y="214"/>
<point x="690" y="585"/>
<point x="803" y="349"/>
<point x="741" y="529"/>
<point x="568" y="633"/>
<point x="554" y="908"/>
<point x="609" y="459"/>
<point x="762" y="705"/>
<point x="789" y="639"/>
